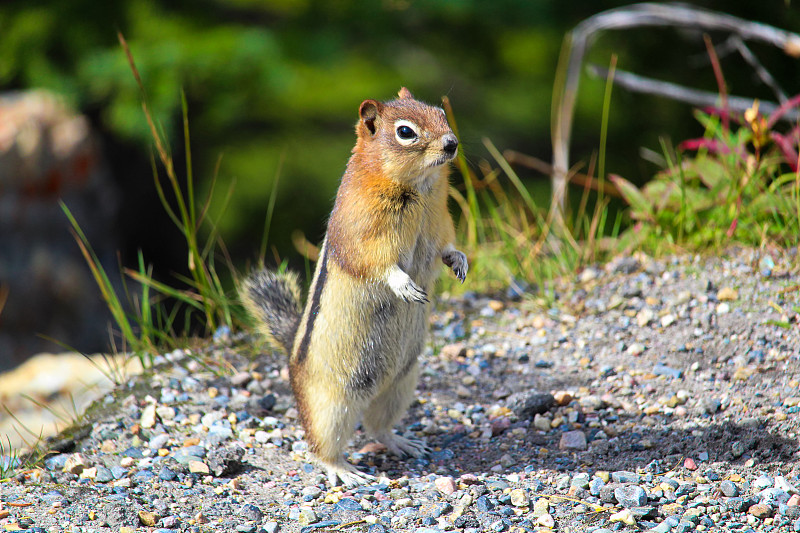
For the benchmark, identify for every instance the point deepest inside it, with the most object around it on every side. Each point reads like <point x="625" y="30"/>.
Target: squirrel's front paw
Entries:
<point x="457" y="261"/>
<point x="405" y="288"/>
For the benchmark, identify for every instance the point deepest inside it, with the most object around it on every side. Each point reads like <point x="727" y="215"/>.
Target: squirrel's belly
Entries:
<point x="363" y="335"/>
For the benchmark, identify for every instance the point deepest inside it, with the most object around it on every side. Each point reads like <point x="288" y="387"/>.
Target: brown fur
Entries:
<point x="357" y="341"/>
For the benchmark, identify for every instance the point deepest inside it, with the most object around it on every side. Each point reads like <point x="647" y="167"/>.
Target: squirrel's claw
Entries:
<point x="405" y="288"/>
<point x="457" y="261"/>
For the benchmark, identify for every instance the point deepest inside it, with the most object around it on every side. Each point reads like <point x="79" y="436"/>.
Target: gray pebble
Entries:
<point x="347" y="504"/>
<point x="249" y="511"/>
<point x="631" y="496"/>
<point x="271" y="527"/>
<point x="166" y="474"/>
<point x="56" y="462"/>
<point x="104" y="475"/>
<point x="729" y="488"/>
<point x="773" y="496"/>
<point x="595" y="485"/>
<point x="623" y="476"/>
<point x="54" y="496"/>
<point x="607" y="493"/>
<point x="440" y="508"/>
<point x="483" y="504"/>
<point x="170" y="522"/>
<point x="225" y="461"/>
<point x="159" y="441"/>
<point x="580" y="480"/>
<point x="133" y="452"/>
<point x="497" y="484"/>
<point x="763" y="482"/>
<point x="527" y="404"/>
<point x="663" y="370"/>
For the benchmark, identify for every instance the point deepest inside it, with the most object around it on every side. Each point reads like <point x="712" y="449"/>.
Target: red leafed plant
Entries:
<point x="738" y="182"/>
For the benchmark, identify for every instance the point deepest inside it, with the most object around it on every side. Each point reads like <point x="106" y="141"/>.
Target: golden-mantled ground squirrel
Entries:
<point x="354" y="347"/>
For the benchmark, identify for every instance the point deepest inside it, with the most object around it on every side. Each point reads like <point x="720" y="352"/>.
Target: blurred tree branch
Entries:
<point x="636" y="16"/>
<point x="640" y="84"/>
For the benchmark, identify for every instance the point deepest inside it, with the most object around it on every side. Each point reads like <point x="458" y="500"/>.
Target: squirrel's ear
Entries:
<point x="405" y="93"/>
<point x="369" y="112"/>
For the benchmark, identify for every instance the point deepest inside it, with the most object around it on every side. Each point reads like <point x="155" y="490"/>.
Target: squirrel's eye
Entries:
<point x="406" y="133"/>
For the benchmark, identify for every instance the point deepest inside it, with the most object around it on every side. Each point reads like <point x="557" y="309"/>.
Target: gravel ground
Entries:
<point x="648" y="395"/>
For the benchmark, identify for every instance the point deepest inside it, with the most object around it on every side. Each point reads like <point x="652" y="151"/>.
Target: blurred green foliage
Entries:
<point x="273" y="79"/>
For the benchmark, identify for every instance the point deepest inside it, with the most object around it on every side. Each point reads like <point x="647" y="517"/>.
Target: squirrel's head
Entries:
<point x="412" y="138"/>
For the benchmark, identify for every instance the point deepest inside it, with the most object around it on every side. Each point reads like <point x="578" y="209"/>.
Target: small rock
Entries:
<point x="727" y="294"/>
<point x="689" y="464"/>
<point x="307" y="516"/>
<point x="483" y="504"/>
<point x="637" y="348"/>
<point x="454" y="351"/>
<point x="527" y="404"/>
<point x="165" y="412"/>
<point x="249" y="511"/>
<point x="167" y="474"/>
<point x="225" y="461"/>
<point x="711" y="406"/>
<point x="542" y="423"/>
<point x="348" y="504"/>
<point x="760" y="511"/>
<point x="781" y="483"/>
<point x="644" y="317"/>
<point x="631" y="496"/>
<point x="519" y="498"/>
<point x="241" y="379"/>
<point x="104" y="475"/>
<point x="562" y="398"/>
<point x="75" y="463"/>
<point x="625" y="516"/>
<point x="572" y="440"/>
<point x="729" y="488"/>
<point x="663" y="370"/>
<point x="668" y="320"/>
<point x="311" y="493"/>
<point x="147" y="518"/>
<point x="148" y="418"/>
<point x="624" y="476"/>
<point x="773" y="497"/>
<point x="446" y="485"/>
<point x="540" y="507"/>
<point x="763" y="482"/>
<point x="595" y="485"/>
<point x="546" y="520"/>
<point x="198" y="467"/>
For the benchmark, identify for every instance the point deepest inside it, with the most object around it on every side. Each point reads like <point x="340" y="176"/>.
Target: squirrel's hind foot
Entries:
<point x="404" y="446"/>
<point x="348" y="474"/>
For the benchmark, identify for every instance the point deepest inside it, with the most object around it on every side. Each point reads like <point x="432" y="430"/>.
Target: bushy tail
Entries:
<point x="274" y="300"/>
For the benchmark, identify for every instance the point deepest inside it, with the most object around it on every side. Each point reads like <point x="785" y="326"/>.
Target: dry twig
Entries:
<point x="635" y="16"/>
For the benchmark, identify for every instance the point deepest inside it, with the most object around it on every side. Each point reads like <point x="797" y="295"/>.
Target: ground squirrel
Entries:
<point x="354" y="347"/>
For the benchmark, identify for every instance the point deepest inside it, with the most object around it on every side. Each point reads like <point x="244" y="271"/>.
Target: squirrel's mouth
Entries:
<point x="442" y="159"/>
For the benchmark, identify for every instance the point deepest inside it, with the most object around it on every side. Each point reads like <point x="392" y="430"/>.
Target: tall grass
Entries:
<point x="510" y="237"/>
<point x="158" y="315"/>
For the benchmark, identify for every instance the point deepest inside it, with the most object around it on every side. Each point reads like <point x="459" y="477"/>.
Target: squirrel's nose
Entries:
<point x="450" y="144"/>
